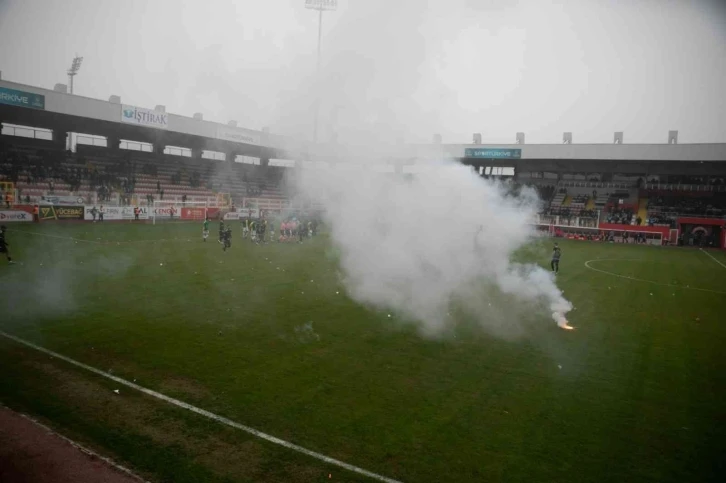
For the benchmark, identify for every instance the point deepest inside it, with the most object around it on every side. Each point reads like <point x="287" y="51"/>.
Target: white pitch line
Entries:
<point x="81" y="448"/>
<point x="587" y="264"/>
<point x="102" y="242"/>
<point x="713" y="258"/>
<point x="57" y="236"/>
<point x="205" y="413"/>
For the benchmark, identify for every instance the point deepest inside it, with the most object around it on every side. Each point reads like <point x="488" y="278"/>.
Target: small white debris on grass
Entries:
<point x="116" y="391"/>
<point x="389" y="316"/>
<point x="651" y="293"/>
<point x="559" y="365"/>
<point x="161" y="264"/>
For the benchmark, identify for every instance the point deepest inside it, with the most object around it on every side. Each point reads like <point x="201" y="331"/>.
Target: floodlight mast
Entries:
<point x="75" y="67"/>
<point x="321" y="6"/>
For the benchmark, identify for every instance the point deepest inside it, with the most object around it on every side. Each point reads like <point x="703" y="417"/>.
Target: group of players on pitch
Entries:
<point x="257" y="231"/>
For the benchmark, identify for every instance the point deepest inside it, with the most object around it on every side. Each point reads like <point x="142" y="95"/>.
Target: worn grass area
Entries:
<point x="259" y="335"/>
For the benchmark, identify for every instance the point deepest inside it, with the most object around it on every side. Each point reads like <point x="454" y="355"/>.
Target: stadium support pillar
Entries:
<point x="60" y="137"/>
<point x="264" y="162"/>
<point x="197" y="153"/>
<point x="158" y="148"/>
<point x="113" y="142"/>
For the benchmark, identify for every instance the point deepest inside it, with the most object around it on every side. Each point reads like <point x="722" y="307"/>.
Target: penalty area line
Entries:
<point x="205" y="413"/>
<point x="713" y="258"/>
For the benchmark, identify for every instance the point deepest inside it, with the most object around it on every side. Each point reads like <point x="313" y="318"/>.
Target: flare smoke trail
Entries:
<point x="415" y="244"/>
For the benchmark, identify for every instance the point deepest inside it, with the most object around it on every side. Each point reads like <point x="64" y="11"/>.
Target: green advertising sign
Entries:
<point x="21" y="98"/>
<point x="493" y="153"/>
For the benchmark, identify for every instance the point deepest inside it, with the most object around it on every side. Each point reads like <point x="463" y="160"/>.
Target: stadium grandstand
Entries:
<point x="59" y="149"/>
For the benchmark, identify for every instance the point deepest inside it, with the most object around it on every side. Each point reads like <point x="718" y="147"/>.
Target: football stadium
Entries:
<point x="185" y="300"/>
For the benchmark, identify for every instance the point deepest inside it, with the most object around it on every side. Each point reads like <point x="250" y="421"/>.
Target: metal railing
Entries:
<point x="685" y="187"/>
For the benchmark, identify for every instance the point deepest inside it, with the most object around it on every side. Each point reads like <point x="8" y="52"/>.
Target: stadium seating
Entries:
<point x="687" y="203"/>
<point x="95" y="174"/>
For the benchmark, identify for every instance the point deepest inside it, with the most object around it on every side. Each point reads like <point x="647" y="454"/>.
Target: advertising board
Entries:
<point x="144" y="117"/>
<point x="15" y="216"/>
<point x="63" y="200"/>
<point x="14" y="97"/>
<point x="493" y="153"/>
<point x="238" y="135"/>
<point x="60" y="212"/>
<point x="115" y="213"/>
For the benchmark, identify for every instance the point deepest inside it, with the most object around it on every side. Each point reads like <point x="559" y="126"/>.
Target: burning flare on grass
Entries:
<point x="562" y="321"/>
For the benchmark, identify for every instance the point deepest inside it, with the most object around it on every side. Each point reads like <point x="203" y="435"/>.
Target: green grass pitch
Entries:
<point x="266" y="336"/>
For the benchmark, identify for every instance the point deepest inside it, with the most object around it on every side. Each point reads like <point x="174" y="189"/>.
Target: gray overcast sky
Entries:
<point x="401" y="69"/>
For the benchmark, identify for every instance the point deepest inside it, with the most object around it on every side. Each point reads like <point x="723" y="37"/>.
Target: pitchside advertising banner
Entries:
<point x="63" y="200"/>
<point x="21" y="98"/>
<point x="144" y="117"/>
<point x="238" y="135"/>
<point x="58" y="212"/>
<point x="115" y="213"/>
<point x="491" y="153"/>
<point x="15" y="216"/>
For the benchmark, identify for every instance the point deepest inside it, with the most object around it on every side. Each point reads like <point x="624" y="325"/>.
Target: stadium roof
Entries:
<point x="20" y="103"/>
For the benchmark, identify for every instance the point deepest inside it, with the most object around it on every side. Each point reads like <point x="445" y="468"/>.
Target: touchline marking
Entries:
<point x="713" y="258"/>
<point x="81" y="448"/>
<point x="103" y="242"/>
<point x="205" y="413"/>
<point x="587" y="264"/>
<point x="57" y="236"/>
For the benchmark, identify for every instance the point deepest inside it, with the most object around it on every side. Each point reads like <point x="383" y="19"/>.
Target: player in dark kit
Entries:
<point x="263" y="229"/>
<point x="556" y="259"/>
<point x="4" y="244"/>
<point x="227" y="236"/>
<point x="221" y="231"/>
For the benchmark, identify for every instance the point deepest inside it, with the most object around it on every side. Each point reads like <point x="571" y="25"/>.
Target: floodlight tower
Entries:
<point x="75" y="67"/>
<point x="321" y="6"/>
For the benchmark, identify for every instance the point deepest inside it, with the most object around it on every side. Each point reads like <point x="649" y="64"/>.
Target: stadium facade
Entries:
<point x="575" y="169"/>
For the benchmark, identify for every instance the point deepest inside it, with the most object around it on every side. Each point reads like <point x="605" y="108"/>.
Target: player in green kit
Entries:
<point x="205" y="229"/>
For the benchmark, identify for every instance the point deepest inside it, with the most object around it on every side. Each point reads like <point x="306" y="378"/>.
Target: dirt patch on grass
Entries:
<point x="180" y="386"/>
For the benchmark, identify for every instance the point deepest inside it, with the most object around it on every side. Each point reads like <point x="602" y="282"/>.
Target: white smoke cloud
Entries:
<point x="419" y="245"/>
